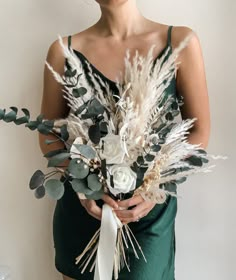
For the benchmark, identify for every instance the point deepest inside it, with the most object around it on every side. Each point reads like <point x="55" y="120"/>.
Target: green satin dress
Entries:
<point x="73" y="227"/>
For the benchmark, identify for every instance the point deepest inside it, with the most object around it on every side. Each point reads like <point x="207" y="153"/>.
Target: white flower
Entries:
<point x="124" y="179"/>
<point x="111" y="149"/>
<point x="73" y="150"/>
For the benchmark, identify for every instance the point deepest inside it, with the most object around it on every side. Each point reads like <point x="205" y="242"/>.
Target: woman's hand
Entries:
<point x="141" y="209"/>
<point x="93" y="209"/>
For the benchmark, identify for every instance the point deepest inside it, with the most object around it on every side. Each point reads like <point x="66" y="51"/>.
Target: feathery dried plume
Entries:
<point x="148" y="87"/>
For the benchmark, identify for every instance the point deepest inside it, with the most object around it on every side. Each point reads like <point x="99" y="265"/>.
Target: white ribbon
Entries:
<point x="107" y="244"/>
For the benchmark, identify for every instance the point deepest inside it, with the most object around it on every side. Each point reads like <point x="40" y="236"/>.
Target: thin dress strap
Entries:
<point x="69" y="47"/>
<point x="169" y="35"/>
<point x="69" y="42"/>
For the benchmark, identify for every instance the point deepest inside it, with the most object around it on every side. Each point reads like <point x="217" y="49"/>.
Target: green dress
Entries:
<point x="73" y="227"/>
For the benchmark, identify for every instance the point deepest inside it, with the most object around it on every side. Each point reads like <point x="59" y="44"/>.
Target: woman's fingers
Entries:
<point x="92" y="208"/>
<point x="136" y="213"/>
<point x="111" y="202"/>
<point x="141" y="215"/>
<point x="141" y="209"/>
<point x="132" y="213"/>
<point x="126" y="203"/>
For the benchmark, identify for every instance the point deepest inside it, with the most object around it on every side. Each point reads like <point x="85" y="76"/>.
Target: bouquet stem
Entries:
<point x="110" y="242"/>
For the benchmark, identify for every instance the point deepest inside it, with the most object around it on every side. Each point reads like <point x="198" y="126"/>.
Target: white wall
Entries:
<point x="205" y="224"/>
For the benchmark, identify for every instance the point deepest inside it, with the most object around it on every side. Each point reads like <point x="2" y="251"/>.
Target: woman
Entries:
<point x="121" y="27"/>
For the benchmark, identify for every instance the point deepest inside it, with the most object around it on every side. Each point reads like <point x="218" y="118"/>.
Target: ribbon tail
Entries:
<point x="107" y="245"/>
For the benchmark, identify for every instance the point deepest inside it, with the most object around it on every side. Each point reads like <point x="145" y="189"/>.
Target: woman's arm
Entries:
<point x="192" y="85"/>
<point x="53" y="104"/>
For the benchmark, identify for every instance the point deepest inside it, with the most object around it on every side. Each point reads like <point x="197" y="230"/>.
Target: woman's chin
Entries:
<point x="107" y="3"/>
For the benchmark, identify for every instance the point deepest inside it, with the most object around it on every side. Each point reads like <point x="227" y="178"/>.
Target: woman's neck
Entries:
<point x="121" y="21"/>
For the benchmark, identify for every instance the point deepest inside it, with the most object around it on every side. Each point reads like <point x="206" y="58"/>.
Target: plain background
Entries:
<point x="205" y="224"/>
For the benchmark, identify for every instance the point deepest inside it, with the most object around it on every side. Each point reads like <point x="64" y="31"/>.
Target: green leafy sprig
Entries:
<point x="39" y="181"/>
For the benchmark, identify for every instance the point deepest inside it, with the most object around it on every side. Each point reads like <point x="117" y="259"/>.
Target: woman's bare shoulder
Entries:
<point x="55" y="54"/>
<point x="179" y="33"/>
<point x="193" y="50"/>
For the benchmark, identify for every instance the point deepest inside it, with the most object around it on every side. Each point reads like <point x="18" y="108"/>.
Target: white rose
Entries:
<point x="124" y="179"/>
<point x="111" y="149"/>
<point x="73" y="150"/>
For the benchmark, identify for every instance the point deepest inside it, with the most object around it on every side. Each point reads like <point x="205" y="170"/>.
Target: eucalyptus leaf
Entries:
<point x="154" y="139"/>
<point x="70" y="74"/>
<point x="135" y="167"/>
<point x="202" y="151"/>
<point x="64" y="132"/>
<point x="24" y="119"/>
<point x="11" y="116"/>
<point x="86" y="151"/>
<point x="103" y="168"/>
<point x="32" y="125"/>
<point x="40" y="118"/>
<point x="93" y="182"/>
<point x="140" y="160"/>
<point x="94" y="133"/>
<point x="36" y="180"/>
<point x="49" y="141"/>
<point x="54" y="188"/>
<point x="112" y="181"/>
<point x="15" y="109"/>
<point x="78" y="92"/>
<point x="59" y="158"/>
<point x="103" y="128"/>
<point x="49" y="124"/>
<point x="170" y="186"/>
<point x="194" y="160"/>
<point x="140" y="172"/>
<point x="40" y="192"/>
<point x="95" y="107"/>
<point x="43" y="129"/>
<point x="2" y="113"/>
<point x="166" y="130"/>
<point x="169" y="116"/>
<point x="139" y="182"/>
<point x="185" y="168"/>
<point x="181" y="180"/>
<point x="26" y="112"/>
<point x="87" y="116"/>
<point x="155" y="148"/>
<point x="149" y="157"/>
<point x="205" y="160"/>
<point x="95" y="195"/>
<point x="174" y="105"/>
<point x="21" y="120"/>
<point x="78" y="170"/>
<point x="79" y="185"/>
<point x="54" y="152"/>
<point x="163" y="133"/>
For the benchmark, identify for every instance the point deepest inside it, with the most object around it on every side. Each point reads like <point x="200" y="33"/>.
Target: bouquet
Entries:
<point x="125" y="144"/>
